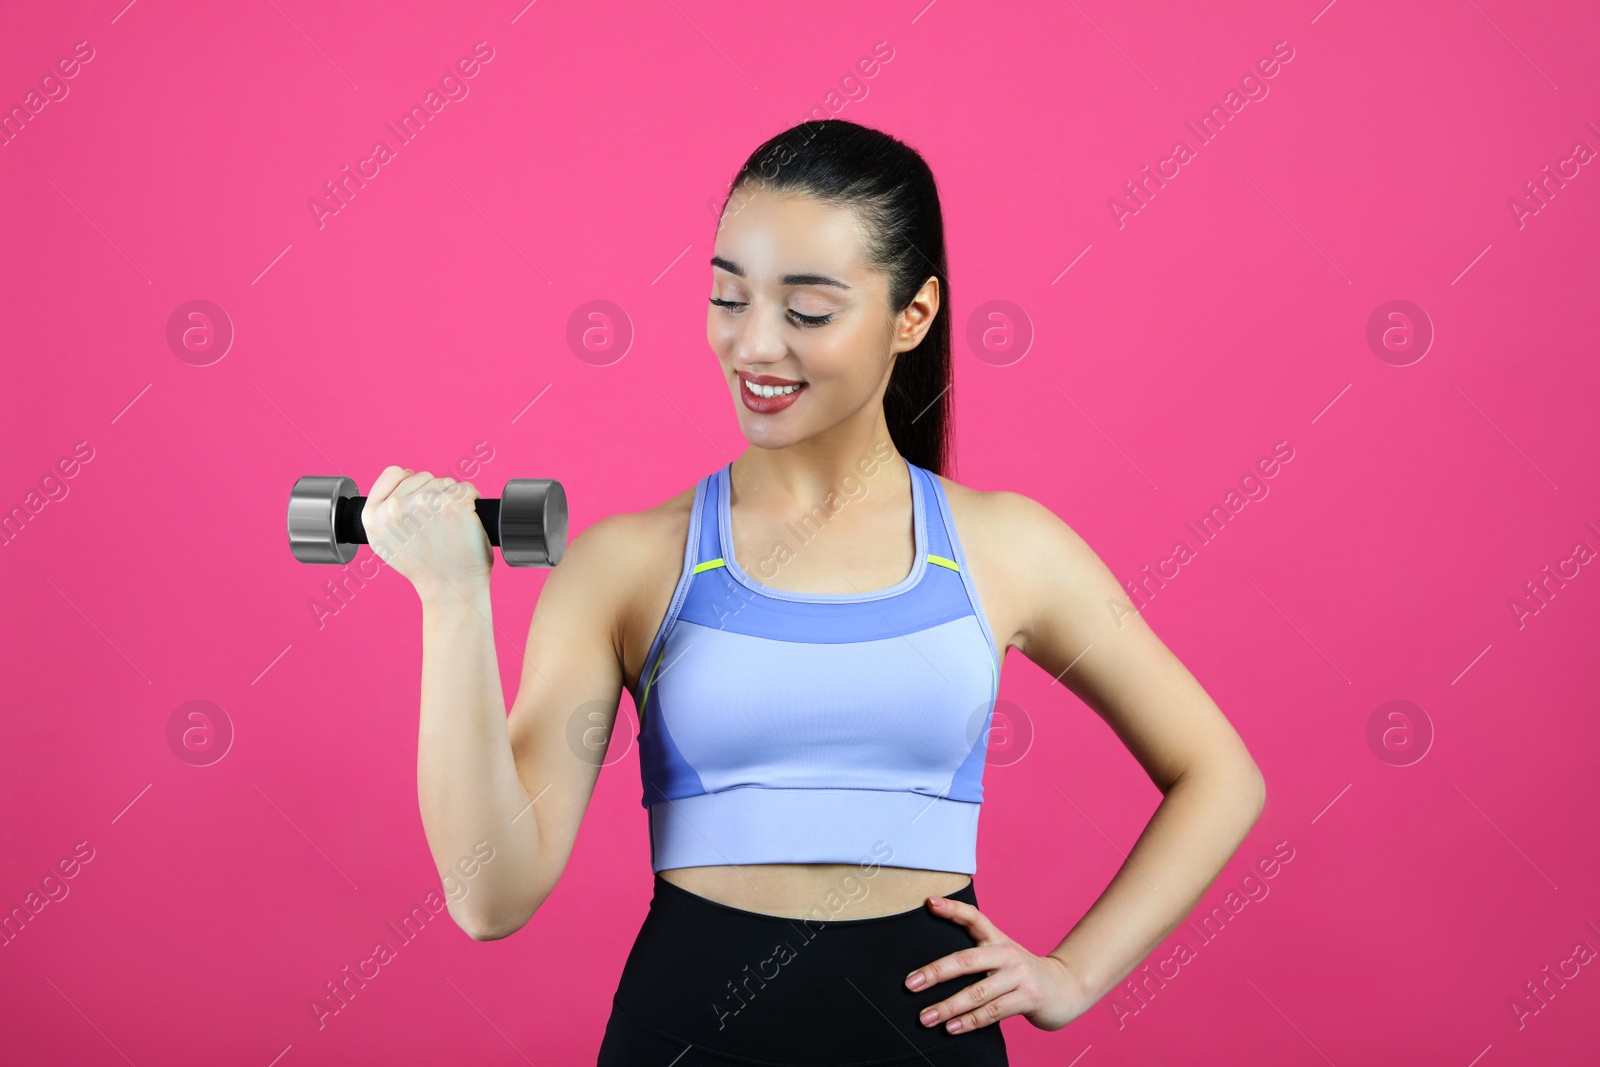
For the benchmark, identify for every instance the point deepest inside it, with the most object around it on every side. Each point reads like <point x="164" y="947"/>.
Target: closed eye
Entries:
<point x="802" y="320"/>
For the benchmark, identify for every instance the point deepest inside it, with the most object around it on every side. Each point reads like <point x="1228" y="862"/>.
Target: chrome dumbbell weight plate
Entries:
<point x="313" y="507"/>
<point x="533" y="522"/>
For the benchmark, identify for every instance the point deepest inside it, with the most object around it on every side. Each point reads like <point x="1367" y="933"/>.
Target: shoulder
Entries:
<point x="628" y="565"/>
<point x="1006" y="521"/>
<point x="628" y="544"/>
<point x="1026" y="560"/>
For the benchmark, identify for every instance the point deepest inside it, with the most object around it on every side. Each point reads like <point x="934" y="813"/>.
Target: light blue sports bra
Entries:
<point x="784" y="727"/>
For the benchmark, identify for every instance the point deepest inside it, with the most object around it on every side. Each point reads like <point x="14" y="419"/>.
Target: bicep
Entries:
<point x="1080" y="626"/>
<point x="571" y="684"/>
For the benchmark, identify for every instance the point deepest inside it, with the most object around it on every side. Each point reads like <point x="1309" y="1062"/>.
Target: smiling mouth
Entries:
<point x="771" y="390"/>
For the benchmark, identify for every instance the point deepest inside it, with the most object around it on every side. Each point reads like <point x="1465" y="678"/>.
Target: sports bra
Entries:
<point x="787" y="727"/>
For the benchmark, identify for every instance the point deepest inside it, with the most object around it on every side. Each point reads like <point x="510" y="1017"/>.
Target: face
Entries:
<point x="797" y="308"/>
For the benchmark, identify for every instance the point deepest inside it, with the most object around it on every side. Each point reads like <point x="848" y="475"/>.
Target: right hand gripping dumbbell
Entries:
<point x="528" y="523"/>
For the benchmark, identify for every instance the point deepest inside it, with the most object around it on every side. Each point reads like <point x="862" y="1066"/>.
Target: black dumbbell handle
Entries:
<point x="347" y="528"/>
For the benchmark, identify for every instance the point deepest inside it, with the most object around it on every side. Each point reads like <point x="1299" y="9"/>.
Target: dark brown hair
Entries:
<point x="894" y="195"/>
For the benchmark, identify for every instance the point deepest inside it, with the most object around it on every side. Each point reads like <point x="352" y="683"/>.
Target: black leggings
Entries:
<point x="708" y="985"/>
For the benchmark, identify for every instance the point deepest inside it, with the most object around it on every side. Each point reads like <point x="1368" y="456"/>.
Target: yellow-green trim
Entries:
<point x="719" y="562"/>
<point x="646" y="700"/>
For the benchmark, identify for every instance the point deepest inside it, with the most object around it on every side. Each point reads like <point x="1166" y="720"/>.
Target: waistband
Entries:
<point x="769" y="989"/>
<point x="673" y="896"/>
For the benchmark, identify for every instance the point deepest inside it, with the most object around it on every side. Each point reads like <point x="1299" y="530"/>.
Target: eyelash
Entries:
<point x="808" y="321"/>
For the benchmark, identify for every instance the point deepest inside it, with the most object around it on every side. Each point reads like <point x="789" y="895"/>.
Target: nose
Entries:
<point x="758" y="336"/>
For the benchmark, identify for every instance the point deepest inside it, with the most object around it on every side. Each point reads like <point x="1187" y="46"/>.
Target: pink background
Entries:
<point x="1228" y="315"/>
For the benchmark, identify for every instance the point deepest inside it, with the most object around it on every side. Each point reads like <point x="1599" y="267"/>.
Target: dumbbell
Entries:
<point x="528" y="523"/>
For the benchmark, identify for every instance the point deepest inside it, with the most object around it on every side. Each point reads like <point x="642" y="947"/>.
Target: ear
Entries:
<point x="912" y="324"/>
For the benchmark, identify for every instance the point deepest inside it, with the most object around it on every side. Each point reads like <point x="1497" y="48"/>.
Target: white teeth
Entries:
<point x="769" y="390"/>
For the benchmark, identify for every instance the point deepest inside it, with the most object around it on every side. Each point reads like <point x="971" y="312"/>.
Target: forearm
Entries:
<point x="1189" y="839"/>
<point x="467" y="784"/>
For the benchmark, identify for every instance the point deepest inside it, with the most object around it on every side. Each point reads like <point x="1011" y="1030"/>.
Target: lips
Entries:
<point x="768" y="405"/>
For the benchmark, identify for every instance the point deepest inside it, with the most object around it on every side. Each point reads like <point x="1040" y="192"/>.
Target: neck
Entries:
<point x="806" y="472"/>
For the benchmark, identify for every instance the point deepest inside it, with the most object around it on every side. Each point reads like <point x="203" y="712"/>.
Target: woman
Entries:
<point x="814" y="691"/>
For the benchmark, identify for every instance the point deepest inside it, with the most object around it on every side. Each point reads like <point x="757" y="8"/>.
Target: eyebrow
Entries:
<point x="788" y="279"/>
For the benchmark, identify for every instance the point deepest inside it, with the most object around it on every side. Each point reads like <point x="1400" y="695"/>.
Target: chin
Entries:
<point x="763" y="436"/>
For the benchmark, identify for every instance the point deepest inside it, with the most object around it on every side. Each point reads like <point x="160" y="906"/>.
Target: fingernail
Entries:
<point x="955" y="1024"/>
<point x="915" y="981"/>
<point x="929" y="1017"/>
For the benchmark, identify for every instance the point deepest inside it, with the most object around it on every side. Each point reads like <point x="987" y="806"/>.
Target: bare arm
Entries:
<point x="500" y="800"/>
<point x="467" y="784"/>
<point x="1213" y="790"/>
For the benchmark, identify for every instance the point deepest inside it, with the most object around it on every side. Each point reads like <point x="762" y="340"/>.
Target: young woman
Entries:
<point x="812" y="636"/>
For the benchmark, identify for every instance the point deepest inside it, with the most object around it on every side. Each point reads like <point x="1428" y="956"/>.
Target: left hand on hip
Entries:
<point x="1042" y="989"/>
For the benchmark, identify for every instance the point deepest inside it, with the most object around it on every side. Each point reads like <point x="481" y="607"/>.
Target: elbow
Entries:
<point x="485" y="931"/>
<point x="1235" y="781"/>
<point x="1256" y="783"/>
<point x="489" y="933"/>
<point x="491" y="926"/>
